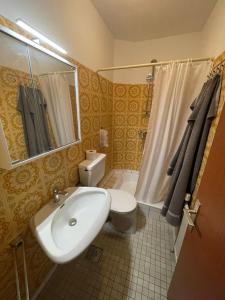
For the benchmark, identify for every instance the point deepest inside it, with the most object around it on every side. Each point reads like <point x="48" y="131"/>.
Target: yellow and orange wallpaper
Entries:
<point x="11" y="119"/>
<point x="129" y="117"/>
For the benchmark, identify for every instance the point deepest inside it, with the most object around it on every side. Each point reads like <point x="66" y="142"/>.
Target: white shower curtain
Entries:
<point x="55" y="88"/>
<point x="175" y="88"/>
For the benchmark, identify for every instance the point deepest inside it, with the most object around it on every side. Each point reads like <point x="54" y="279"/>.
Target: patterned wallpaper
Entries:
<point x="11" y="118"/>
<point x="129" y="117"/>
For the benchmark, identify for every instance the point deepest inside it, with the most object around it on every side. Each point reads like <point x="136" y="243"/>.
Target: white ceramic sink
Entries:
<point x="64" y="230"/>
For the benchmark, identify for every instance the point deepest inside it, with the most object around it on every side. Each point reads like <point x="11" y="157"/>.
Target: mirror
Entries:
<point x="39" y="100"/>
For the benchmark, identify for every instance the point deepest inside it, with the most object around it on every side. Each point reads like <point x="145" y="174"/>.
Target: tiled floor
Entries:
<point x="137" y="266"/>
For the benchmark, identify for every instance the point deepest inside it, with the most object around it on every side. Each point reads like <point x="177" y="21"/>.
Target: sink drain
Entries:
<point x="72" y="222"/>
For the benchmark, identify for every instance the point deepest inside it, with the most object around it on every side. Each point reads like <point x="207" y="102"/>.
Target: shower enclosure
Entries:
<point x="131" y="112"/>
<point x="146" y="133"/>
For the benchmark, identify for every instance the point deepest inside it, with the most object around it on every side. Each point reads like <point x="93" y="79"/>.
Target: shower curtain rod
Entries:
<point x="158" y="63"/>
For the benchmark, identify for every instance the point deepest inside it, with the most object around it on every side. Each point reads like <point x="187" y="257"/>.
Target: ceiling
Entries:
<point x="136" y="20"/>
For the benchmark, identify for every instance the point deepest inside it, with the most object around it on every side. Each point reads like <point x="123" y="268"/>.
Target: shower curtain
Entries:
<point x="175" y="87"/>
<point x="55" y="88"/>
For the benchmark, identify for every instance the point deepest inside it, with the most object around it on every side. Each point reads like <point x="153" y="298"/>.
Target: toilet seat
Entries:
<point x="121" y="201"/>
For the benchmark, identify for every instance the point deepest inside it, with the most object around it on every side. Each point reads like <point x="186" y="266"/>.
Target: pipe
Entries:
<point x="17" y="276"/>
<point x="15" y="244"/>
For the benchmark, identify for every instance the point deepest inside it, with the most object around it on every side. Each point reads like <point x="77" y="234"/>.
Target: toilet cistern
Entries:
<point x="92" y="171"/>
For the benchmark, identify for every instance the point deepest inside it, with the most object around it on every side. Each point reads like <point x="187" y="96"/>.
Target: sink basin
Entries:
<point x="65" y="229"/>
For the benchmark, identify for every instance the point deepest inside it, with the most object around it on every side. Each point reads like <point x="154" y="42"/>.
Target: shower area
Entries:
<point x="131" y="113"/>
<point x="149" y="119"/>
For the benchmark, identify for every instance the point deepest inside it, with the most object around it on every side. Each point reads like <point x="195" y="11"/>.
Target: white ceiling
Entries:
<point x="137" y="20"/>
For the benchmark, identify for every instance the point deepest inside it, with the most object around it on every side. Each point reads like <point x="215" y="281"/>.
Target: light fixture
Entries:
<point x="40" y="36"/>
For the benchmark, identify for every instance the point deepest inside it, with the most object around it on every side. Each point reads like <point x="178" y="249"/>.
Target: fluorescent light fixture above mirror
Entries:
<point x="40" y="36"/>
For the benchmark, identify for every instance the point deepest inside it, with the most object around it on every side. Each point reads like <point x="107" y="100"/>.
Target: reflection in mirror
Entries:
<point x="57" y="92"/>
<point x="54" y="97"/>
<point x="39" y="109"/>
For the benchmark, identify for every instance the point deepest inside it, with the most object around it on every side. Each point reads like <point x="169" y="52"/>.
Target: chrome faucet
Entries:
<point x="57" y="193"/>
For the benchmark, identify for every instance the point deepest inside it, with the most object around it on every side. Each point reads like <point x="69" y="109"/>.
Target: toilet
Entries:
<point x="122" y="215"/>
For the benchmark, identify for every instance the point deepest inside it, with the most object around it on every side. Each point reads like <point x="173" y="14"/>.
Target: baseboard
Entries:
<point x="174" y="243"/>
<point x="152" y="205"/>
<point x="143" y="203"/>
<point x="175" y="254"/>
<point x="46" y="279"/>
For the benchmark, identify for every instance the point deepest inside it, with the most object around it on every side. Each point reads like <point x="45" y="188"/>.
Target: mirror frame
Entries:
<point x="5" y="159"/>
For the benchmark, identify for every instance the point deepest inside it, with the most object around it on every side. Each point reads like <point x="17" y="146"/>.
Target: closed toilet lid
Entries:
<point x="121" y="201"/>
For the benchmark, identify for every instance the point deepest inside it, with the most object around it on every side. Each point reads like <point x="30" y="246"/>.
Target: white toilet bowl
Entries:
<point x="123" y="204"/>
<point x="123" y="211"/>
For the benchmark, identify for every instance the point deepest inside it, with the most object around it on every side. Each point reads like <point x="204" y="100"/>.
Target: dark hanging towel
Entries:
<point x="32" y="106"/>
<point x="186" y="163"/>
